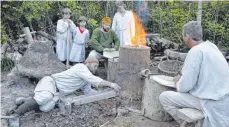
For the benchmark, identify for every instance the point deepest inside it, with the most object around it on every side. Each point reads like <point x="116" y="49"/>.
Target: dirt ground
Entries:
<point x="136" y="120"/>
<point x="87" y="115"/>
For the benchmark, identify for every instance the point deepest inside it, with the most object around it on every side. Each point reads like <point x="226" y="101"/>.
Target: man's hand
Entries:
<point x="109" y="49"/>
<point x="109" y="84"/>
<point x="115" y="86"/>
<point x="106" y="50"/>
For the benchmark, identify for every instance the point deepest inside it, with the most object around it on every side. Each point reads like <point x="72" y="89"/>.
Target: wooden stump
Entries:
<point x="28" y="35"/>
<point x="112" y="69"/>
<point x="151" y="106"/>
<point x="131" y="61"/>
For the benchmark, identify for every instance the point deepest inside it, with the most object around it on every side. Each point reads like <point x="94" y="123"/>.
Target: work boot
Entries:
<point x="21" y="100"/>
<point x="27" y="106"/>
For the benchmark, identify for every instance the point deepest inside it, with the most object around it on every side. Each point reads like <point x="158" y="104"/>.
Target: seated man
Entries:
<point x="204" y="81"/>
<point x="103" y="39"/>
<point x="80" y="76"/>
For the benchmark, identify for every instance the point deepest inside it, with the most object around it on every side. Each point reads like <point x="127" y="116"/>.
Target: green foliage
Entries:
<point x="92" y="24"/>
<point x="34" y="9"/>
<point x="6" y="64"/>
<point x="168" y="18"/>
<point x="4" y="36"/>
<point x="40" y="15"/>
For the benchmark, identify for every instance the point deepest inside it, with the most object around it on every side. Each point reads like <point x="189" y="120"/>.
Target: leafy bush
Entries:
<point x="6" y="64"/>
<point x="166" y="17"/>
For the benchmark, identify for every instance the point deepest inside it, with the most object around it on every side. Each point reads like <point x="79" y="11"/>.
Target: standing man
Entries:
<point x="50" y="88"/>
<point x="103" y="39"/>
<point x="204" y="83"/>
<point x="123" y="24"/>
<point x="65" y="30"/>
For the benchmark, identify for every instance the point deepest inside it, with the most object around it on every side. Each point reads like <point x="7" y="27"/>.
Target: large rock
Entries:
<point x="40" y="60"/>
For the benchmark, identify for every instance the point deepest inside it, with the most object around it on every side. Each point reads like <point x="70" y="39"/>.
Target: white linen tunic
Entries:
<point x="64" y="32"/>
<point x="205" y="75"/>
<point x="124" y="27"/>
<point x="75" y="78"/>
<point x="77" y="53"/>
<point x="67" y="82"/>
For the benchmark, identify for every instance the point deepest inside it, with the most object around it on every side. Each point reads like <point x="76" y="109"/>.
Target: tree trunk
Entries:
<point x="199" y="15"/>
<point x="131" y="61"/>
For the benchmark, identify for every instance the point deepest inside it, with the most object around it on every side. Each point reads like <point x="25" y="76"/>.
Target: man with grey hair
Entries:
<point x="204" y="83"/>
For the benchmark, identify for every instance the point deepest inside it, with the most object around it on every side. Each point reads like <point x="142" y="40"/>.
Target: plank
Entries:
<point x="7" y="117"/>
<point x="84" y="99"/>
<point x="190" y="115"/>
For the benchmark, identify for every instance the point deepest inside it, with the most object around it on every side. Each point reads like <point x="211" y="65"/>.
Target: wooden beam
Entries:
<point x="23" y="35"/>
<point x="46" y="35"/>
<point x="84" y="99"/>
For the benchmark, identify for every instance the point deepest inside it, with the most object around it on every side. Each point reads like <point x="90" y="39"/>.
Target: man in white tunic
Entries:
<point x="50" y="88"/>
<point x="81" y="38"/>
<point x="64" y="34"/>
<point x="123" y="24"/>
<point x="204" y="83"/>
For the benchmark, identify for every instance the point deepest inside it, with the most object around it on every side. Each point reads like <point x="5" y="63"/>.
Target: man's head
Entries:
<point x="82" y="21"/>
<point x="192" y="33"/>
<point x="66" y="13"/>
<point x="92" y="64"/>
<point x="120" y="6"/>
<point x="106" y="24"/>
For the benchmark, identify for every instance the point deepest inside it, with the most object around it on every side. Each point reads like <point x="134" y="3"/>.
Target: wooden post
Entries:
<point x="131" y="61"/>
<point x="68" y="46"/>
<point x="28" y="35"/>
<point x="151" y="106"/>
